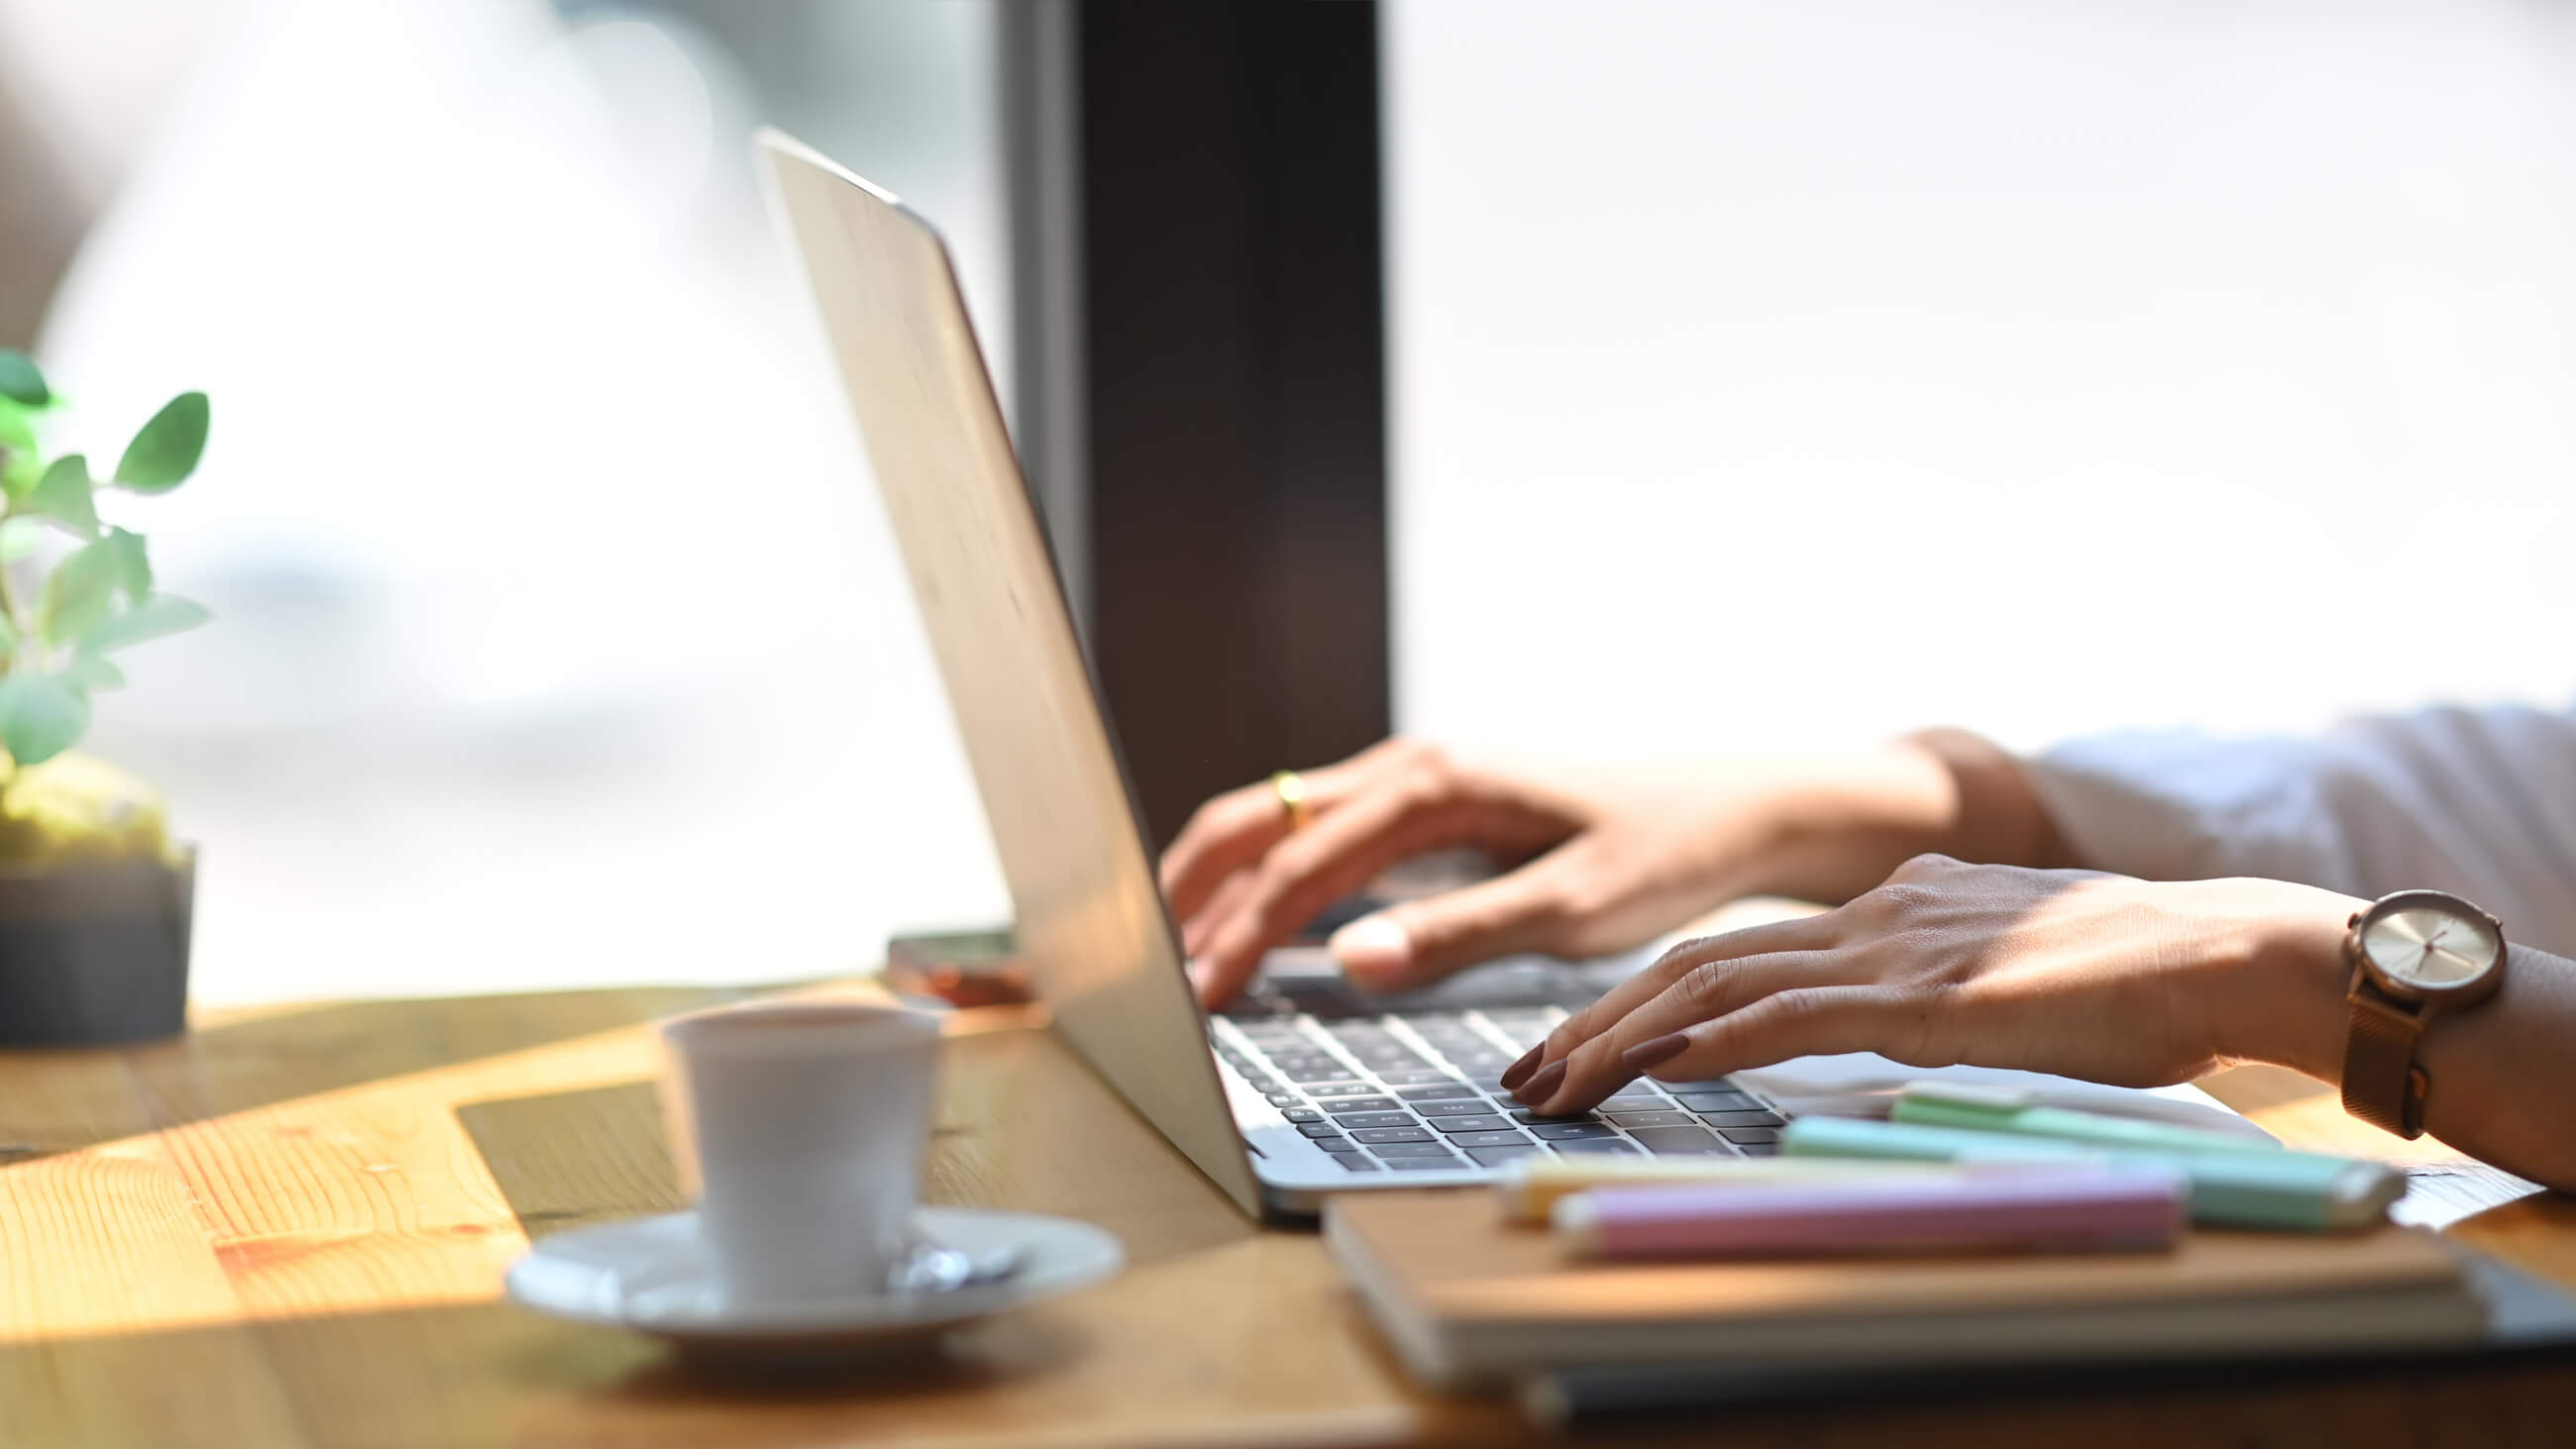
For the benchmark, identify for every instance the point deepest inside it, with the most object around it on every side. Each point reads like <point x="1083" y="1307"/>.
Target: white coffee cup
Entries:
<point x="799" y="1128"/>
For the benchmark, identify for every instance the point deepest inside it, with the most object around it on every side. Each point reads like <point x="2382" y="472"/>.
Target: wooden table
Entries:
<point x="289" y="1228"/>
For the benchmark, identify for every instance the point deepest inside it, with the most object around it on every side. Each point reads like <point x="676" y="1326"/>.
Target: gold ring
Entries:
<point x="1290" y="787"/>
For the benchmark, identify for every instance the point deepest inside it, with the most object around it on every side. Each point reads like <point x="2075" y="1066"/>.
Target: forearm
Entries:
<point x="2501" y="1076"/>
<point x="1843" y="826"/>
<point x="2478" y="802"/>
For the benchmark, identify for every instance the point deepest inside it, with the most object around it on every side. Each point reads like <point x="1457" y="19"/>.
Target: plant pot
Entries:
<point x="95" y="954"/>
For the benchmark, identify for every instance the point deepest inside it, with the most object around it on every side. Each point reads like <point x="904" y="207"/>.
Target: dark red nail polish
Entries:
<point x="1647" y="1055"/>
<point x="1539" y="1088"/>
<point x="1518" y="1072"/>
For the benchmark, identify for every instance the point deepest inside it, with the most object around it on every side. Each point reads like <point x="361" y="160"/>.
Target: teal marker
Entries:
<point x="1993" y="1109"/>
<point x="2271" y="1188"/>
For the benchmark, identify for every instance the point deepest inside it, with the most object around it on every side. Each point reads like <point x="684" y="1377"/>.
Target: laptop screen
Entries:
<point x="1100" y="947"/>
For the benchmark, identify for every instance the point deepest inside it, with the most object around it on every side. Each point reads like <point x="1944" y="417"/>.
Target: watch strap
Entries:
<point x="2381" y="1083"/>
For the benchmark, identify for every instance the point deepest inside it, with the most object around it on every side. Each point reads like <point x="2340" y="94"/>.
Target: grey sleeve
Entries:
<point x="2479" y="802"/>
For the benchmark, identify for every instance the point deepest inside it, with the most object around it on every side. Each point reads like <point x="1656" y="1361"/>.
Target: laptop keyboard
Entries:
<point x="1422" y="1092"/>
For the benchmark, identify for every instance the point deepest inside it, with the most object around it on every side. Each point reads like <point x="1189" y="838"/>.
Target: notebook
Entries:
<point x="1468" y="1301"/>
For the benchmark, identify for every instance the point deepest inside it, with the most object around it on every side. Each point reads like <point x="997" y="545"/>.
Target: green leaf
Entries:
<point x="40" y="717"/>
<point x="79" y="595"/>
<point x="21" y="382"/>
<point x="90" y="675"/>
<point x="18" y="440"/>
<point x="133" y="568"/>
<point x="154" y="618"/>
<point x="63" y="495"/>
<point x="163" y="455"/>
<point x="19" y="537"/>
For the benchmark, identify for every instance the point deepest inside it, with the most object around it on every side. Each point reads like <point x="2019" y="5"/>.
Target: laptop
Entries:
<point x="1305" y="1087"/>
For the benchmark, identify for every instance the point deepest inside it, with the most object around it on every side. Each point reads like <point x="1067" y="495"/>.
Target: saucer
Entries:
<point x="656" y="1275"/>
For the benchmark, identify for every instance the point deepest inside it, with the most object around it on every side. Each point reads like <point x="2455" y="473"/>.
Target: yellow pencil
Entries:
<point x="1530" y="1187"/>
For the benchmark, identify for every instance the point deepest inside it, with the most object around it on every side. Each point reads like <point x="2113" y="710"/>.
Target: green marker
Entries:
<point x="2272" y="1188"/>
<point x="2000" y="1109"/>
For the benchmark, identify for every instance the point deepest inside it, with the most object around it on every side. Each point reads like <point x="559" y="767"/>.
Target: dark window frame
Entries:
<point x="1202" y="395"/>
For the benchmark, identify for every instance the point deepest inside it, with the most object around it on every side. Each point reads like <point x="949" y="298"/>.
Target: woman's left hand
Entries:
<point x="2102" y="977"/>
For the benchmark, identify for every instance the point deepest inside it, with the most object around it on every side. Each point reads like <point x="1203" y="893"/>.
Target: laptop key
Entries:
<point x="1375" y="1135"/>
<point x="1463" y="1107"/>
<point x="1570" y="1131"/>
<point x="1610" y="1146"/>
<point x="1716" y="1101"/>
<point x="1527" y="1117"/>
<point x="1758" y="1149"/>
<point x="1490" y="1139"/>
<point x="1415" y="1076"/>
<point x="1286" y="1099"/>
<point x="1679" y="1139"/>
<point x="1337" y="1144"/>
<point x="1300" y="1114"/>
<point x="1334" y="1073"/>
<point x="1742" y="1119"/>
<point x="1652" y="1119"/>
<point x="1488" y="1123"/>
<point x="1340" y="1106"/>
<point x="1345" y="1089"/>
<point x="1375" y="1119"/>
<point x="1357" y="1164"/>
<point x="1497" y="1156"/>
<point x="1410" y="1149"/>
<point x="1750" y="1136"/>
<point x="1441" y="1028"/>
<point x="1316" y="1129"/>
<point x="1711" y="1084"/>
<point x="1443" y="1163"/>
<point x="1450" y="1090"/>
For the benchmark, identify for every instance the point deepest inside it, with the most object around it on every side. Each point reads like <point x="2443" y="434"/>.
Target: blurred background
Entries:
<point x="1754" y="376"/>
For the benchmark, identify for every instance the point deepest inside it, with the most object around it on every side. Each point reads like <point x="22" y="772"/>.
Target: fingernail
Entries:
<point x="1543" y="1086"/>
<point x="1649" y="1054"/>
<point x="1519" y="1071"/>
<point x="1372" y="946"/>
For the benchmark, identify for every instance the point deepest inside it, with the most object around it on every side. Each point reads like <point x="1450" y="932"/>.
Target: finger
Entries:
<point x="1804" y="1022"/>
<point x="1418" y="942"/>
<point x="1802" y="933"/>
<point x="1227" y="898"/>
<point x="1222" y="837"/>
<point x="1601" y="1065"/>
<point x="1332" y="857"/>
<point x="1233" y="830"/>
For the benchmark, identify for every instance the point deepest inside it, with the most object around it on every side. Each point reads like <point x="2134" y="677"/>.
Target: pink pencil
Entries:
<point x="2075" y="1207"/>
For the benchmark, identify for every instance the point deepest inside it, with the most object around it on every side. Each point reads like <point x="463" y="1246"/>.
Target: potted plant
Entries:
<point x="95" y="899"/>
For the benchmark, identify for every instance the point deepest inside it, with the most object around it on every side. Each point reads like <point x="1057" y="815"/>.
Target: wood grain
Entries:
<point x="289" y="1228"/>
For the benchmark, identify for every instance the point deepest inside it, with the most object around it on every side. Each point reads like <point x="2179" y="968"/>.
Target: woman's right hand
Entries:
<point x="1599" y="863"/>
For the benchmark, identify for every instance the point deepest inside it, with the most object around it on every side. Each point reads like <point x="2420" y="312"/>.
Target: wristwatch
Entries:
<point x="2415" y="956"/>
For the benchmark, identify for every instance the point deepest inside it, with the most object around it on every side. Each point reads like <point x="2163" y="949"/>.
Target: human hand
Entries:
<point x="1603" y="864"/>
<point x="2102" y="977"/>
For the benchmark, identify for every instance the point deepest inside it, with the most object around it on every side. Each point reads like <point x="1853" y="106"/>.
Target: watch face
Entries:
<point x="2430" y="948"/>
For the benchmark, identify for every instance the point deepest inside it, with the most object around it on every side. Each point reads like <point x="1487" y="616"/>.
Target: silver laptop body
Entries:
<point x="1305" y="1089"/>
